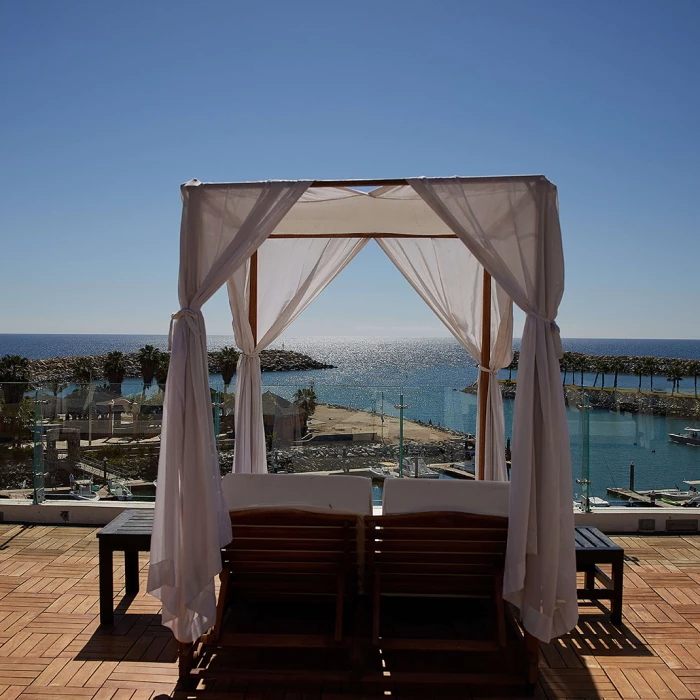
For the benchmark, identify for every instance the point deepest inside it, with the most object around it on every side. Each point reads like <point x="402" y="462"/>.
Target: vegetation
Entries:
<point x="675" y="376"/>
<point x="115" y="370"/>
<point x="693" y="369"/>
<point x="566" y="363"/>
<point x="651" y="367"/>
<point x="601" y="369"/>
<point x="162" y="371"/>
<point x="83" y="370"/>
<point x="14" y="377"/>
<point x="149" y="359"/>
<point x="616" y="366"/>
<point x="639" y="371"/>
<point x="227" y="358"/>
<point x="306" y="399"/>
<point x="514" y="365"/>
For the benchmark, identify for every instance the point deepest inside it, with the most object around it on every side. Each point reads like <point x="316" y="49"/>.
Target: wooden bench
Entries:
<point x="129" y="532"/>
<point x="593" y="548"/>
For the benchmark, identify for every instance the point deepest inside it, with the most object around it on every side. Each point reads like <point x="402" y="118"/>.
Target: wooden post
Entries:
<point x="253" y="301"/>
<point x="483" y="376"/>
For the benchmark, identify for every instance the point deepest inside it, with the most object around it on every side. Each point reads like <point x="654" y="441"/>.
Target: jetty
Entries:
<point x="629" y="495"/>
<point x="644" y="497"/>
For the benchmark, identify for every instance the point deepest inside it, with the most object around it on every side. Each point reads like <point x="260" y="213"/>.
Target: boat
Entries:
<point x="415" y="467"/>
<point x="120" y="490"/>
<point x="466" y="466"/>
<point x="694" y="502"/>
<point x="689" y="436"/>
<point x="381" y="472"/>
<point x="674" y="497"/>
<point x="82" y="491"/>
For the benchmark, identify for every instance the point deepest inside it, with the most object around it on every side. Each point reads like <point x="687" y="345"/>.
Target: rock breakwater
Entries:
<point x="61" y="369"/>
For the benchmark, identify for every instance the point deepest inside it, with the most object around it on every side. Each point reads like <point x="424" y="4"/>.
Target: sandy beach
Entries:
<point x="330" y="419"/>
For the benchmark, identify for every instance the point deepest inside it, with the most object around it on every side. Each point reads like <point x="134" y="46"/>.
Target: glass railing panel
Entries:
<point x="642" y="445"/>
<point x="16" y="440"/>
<point x="95" y="441"/>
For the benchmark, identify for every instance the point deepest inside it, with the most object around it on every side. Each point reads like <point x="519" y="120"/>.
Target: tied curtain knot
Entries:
<point x="555" y="332"/>
<point x="191" y="316"/>
<point x="488" y="370"/>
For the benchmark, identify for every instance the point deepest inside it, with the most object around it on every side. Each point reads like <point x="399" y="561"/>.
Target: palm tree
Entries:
<point x="693" y="370"/>
<point x="675" y="376"/>
<point x="56" y="386"/>
<point x="651" y="367"/>
<point x="227" y="358"/>
<point x="149" y="359"/>
<point x="513" y="365"/>
<point x="617" y="366"/>
<point x="306" y="399"/>
<point x="579" y="364"/>
<point x="162" y="371"/>
<point x="14" y="377"/>
<point x="565" y="365"/>
<point x="601" y="368"/>
<point x="640" y="372"/>
<point x="82" y="370"/>
<point x="115" y="369"/>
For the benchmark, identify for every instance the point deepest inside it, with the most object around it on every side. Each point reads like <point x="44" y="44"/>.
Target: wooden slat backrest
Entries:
<point x="437" y="552"/>
<point x="291" y="551"/>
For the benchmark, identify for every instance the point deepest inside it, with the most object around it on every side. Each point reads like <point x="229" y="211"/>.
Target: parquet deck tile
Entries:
<point x="51" y="644"/>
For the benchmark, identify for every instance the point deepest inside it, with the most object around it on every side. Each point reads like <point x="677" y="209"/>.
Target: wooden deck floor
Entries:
<point x="51" y="645"/>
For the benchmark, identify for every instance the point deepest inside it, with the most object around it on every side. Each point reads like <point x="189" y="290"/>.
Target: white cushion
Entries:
<point x="456" y="495"/>
<point x="342" y="494"/>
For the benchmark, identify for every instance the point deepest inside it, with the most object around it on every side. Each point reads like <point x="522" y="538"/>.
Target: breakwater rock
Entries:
<point x="636" y="402"/>
<point x="507" y="388"/>
<point x="620" y="400"/>
<point x="626" y="364"/>
<point x="61" y="369"/>
<point x="333" y="456"/>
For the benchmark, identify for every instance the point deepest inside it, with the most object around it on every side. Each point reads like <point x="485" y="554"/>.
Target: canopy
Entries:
<point x="470" y="247"/>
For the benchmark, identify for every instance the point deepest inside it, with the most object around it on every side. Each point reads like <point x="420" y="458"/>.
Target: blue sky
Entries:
<point x="108" y="107"/>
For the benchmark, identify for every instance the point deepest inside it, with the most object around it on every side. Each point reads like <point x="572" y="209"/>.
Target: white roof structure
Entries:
<point x="470" y="247"/>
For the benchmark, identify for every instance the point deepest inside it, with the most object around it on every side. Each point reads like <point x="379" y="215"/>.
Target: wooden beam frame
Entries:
<point x="483" y="375"/>
<point x="378" y="182"/>
<point x="362" y="235"/>
<point x="253" y="298"/>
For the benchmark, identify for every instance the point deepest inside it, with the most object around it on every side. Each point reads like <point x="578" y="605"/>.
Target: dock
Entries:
<point x="639" y="497"/>
<point x="629" y="495"/>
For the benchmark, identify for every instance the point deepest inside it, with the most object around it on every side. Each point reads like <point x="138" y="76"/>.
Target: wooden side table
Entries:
<point x="593" y="548"/>
<point x="129" y="532"/>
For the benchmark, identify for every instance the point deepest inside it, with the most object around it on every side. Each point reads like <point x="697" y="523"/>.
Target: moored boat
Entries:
<point x="689" y="436"/>
<point x="82" y="491"/>
<point x="415" y="467"/>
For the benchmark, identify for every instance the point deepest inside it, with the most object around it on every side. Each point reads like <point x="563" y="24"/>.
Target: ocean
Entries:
<point x="426" y="374"/>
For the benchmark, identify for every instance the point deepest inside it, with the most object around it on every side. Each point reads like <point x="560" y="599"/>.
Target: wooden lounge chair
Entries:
<point x="443" y="539"/>
<point x="294" y="541"/>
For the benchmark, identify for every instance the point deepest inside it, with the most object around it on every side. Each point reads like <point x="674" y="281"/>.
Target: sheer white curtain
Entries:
<point x="512" y="227"/>
<point x="449" y="279"/>
<point x="291" y="274"/>
<point x="220" y="229"/>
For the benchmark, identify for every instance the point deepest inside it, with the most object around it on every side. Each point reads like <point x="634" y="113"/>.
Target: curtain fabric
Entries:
<point x="512" y="228"/>
<point x="220" y="229"/>
<point x="291" y="274"/>
<point x="449" y="279"/>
